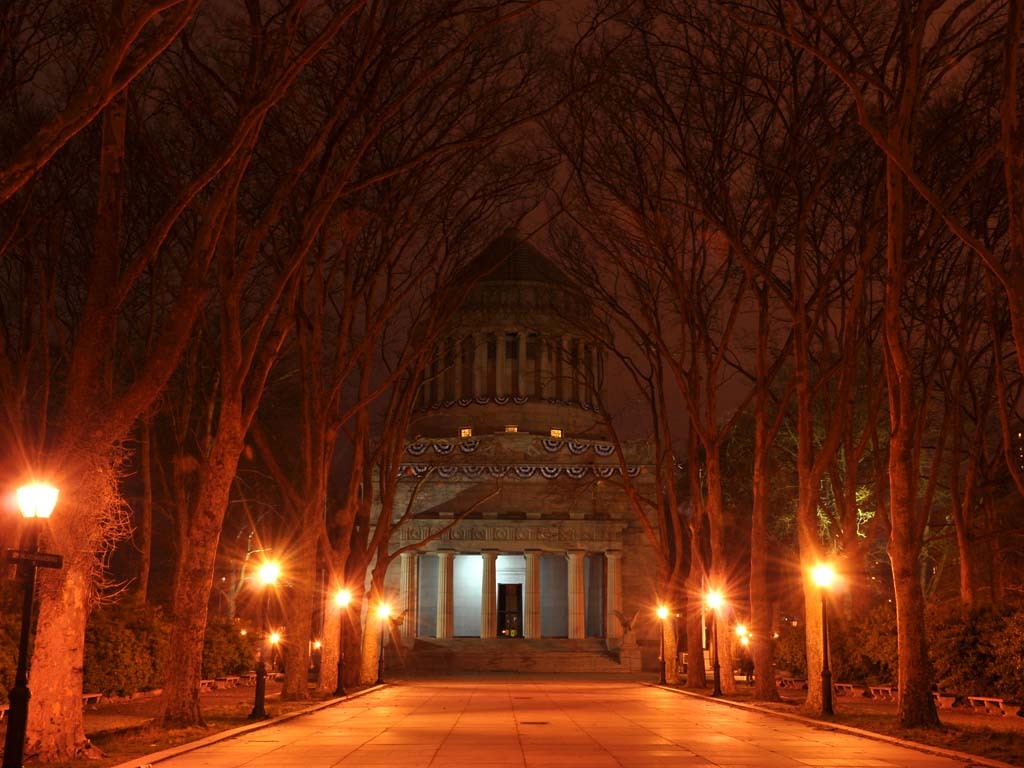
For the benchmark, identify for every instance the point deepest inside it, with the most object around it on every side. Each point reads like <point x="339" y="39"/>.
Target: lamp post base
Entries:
<point x="340" y="688"/>
<point x="717" y="690"/>
<point x="17" y="723"/>
<point x="259" y="709"/>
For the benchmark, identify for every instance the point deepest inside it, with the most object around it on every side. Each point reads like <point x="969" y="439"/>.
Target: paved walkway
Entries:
<point x="500" y="723"/>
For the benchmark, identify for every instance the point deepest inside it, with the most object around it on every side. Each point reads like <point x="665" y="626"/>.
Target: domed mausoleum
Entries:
<point x="508" y="459"/>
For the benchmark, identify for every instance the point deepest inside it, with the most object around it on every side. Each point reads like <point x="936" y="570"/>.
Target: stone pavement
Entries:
<point x="500" y="722"/>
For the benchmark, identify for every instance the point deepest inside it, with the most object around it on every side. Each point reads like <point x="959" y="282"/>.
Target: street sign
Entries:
<point x="39" y="559"/>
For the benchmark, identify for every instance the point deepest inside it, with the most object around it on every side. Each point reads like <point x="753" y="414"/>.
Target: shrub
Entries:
<point x="791" y="649"/>
<point x="1008" y="653"/>
<point x="962" y="649"/>
<point x="225" y="650"/>
<point x="125" y="649"/>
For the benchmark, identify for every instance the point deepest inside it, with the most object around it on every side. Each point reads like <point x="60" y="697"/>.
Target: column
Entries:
<point x="542" y="365"/>
<point x="521" y="355"/>
<point x="488" y="594"/>
<point x="460" y="349"/>
<point x="445" y="579"/>
<point x="499" y="364"/>
<point x="613" y="597"/>
<point x="564" y="369"/>
<point x="577" y="605"/>
<point x="531" y="598"/>
<point x="409" y="597"/>
<point x="479" y="364"/>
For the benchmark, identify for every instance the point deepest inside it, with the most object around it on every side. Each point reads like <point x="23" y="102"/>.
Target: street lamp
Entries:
<point x="268" y="574"/>
<point x="715" y="601"/>
<point x="36" y="502"/>
<point x="662" y="614"/>
<point x="823" y="575"/>
<point x="342" y="599"/>
<point x="383" y="612"/>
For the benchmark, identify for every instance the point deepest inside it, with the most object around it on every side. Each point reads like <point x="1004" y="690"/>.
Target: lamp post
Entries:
<point x="662" y="615"/>
<point x="342" y="599"/>
<point x="823" y="575"/>
<point x="714" y="601"/>
<point x="36" y="503"/>
<point x="383" y="612"/>
<point x="268" y="574"/>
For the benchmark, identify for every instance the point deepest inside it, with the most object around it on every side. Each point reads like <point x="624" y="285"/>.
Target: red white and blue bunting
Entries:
<point x="577" y="447"/>
<point x="442" y="448"/>
<point x="520" y="471"/>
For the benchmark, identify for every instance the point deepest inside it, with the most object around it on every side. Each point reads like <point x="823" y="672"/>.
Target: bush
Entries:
<point x="226" y="651"/>
<point x="1008" y="652"/>
<point x="791" y="649"/>
<point x="864" y="648"/>
<point x="962" y="649"/>
<point x="125" y="650"/>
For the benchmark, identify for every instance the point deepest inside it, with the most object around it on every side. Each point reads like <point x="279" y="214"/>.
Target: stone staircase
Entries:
<point x="548" y="656"/>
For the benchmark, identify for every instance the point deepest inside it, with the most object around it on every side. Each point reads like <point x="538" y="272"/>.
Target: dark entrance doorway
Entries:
<point x="510" y="610"/>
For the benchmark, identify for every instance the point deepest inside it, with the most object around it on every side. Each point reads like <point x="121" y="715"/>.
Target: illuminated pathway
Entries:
<point x="494" y="723"/>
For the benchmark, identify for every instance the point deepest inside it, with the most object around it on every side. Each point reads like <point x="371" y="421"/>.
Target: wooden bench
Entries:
<point x="91" y="698"/>
<point x="883" y="691"/>
<point x="207" y="685"/>
<point x="846" y="689"/>
<point x="249" y="678"/>
<point x="792" y="682"/>
<point x="944" y="700"/>
<point x="987" y="703"/>
<point x="227" y="681"/>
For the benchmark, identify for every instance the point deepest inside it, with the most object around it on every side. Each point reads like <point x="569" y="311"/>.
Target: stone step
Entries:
<point x="548" y="656"/>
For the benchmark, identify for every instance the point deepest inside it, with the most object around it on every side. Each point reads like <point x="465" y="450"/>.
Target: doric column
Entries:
<point x="564" y="368"/>
<point x="409" y="596"/>
<point x="460" y="348"/>
<point x="577" y="605"/>
<point x="521" y="355"/>
<point x="531" y="600"/>
<point x="479" y="364"/>
<point x="613" y="597"/>
<point x="445" y="579"/>
<point x="499" y="364"/>
<point x="488" y="594"/>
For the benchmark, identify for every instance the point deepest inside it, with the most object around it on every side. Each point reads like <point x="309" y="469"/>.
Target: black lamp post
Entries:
<point x="36" y="502"/>
<point x="343" y="598"/>
<point x="714" y="601"/>
<point x="662" y="615"/>
<point x="268" y="574"/>
<point x="383" y="612"/>
<point x="823" y="576"/>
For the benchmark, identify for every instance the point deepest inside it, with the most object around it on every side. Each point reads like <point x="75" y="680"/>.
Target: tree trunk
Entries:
<point x="719" y="565"/>
<point x="195" y="578"/>
<point x="145" y="522"/>
<point x="327" y="680"/>
<point x="299" y="613"/>
<point x="760" y="605"/>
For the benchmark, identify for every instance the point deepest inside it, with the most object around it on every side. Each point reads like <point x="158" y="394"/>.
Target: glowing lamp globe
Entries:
<point x="714" y="600"/>
<point x="383" y="611"/>
<point x="662" y="612"/>
<point x="275" y="638"/>
<point x="823" y="574"/>
<point x="269" y="572"/>
<point x="343" y="598"/>
<point x="37" y="500"/>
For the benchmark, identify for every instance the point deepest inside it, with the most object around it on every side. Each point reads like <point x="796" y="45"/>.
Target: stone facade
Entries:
<point x="517" y="516"/>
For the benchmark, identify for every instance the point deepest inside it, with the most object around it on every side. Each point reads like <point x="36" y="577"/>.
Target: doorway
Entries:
<point x="510" y="610"/>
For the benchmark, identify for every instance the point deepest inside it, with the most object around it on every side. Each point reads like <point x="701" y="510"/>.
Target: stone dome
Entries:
<point x="515" y="359"/>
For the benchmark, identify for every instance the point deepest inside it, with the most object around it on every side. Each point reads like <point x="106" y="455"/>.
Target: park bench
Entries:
<point x="207" y="685"/>
<point x="91" y="698"/>
<point x="987" y="703"/>
<point x="846" y="689"/>
<point x="883" y="691"/>
<point x="249" y="678"/>
<point x="792" y="682"/>
<point x="227" y="681"/>
<point x="944" y="700"/>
